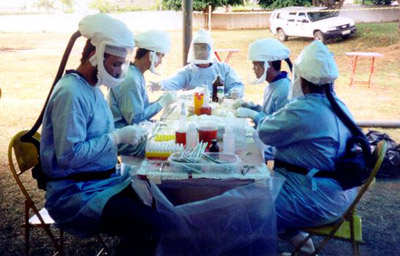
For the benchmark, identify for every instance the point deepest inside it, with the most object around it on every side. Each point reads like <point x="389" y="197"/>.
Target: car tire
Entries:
<point x="281" y="35"/>
<point x="318" y="35"/>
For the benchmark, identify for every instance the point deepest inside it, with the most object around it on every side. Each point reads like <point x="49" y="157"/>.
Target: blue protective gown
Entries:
<point x="191" y="76"/>
<point x="307" y="133"/>
<point x="75" y="139"/>
<point x="130" y="104"/>
<point x="275" y="96"/>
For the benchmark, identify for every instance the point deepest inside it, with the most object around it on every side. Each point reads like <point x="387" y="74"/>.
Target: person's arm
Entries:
<point x="73" y="149"/>
<point x="177" y="82"/>
<point x="285" y="126"/>
<point x="132" y="102"/>
<point x="232" y="82"/>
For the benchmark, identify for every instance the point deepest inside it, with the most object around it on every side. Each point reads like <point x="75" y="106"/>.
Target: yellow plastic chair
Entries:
<point x="23" y="156"/>
<point x="349" y="226"/>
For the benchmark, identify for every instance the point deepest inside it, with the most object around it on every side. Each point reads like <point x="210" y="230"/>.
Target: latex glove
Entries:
<point x="236" y="93"/>
<point x="252" y="105"/>
<point x="155" y="86"/>
<point x="131" y="134"/>
<point x="167" y="98"/>
<point x="246" y="112"/>
<point x="238" y="103"/>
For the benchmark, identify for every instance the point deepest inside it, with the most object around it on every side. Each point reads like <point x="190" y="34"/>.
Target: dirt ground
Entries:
<point x="29" y="62"/>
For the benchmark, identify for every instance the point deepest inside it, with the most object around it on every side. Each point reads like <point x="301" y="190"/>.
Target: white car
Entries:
<point x="314" y="22"/>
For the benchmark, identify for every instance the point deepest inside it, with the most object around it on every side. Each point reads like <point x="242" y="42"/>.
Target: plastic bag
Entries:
<point x="390" y="167"/>
<point x="241" y="221"/>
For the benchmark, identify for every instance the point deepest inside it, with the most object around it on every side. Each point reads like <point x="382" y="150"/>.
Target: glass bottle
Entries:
<point x="214" y="147"/>
<point x="217" y="82"/>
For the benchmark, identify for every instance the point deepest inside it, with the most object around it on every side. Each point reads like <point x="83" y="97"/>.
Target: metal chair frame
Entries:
<point x="349" y="219"/>
<point x="27" y="156"/>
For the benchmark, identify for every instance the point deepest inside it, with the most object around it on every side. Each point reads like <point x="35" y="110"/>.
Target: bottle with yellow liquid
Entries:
<point x="198" y="102"/>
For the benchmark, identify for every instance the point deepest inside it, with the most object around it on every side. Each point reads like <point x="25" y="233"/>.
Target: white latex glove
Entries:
<point x="168" y="98"/>
<point x="131" y="134"/>
<point x="155" y="86"/>
<point x="246" y="112"/>
<point x="238" y="103"/>
<point x="236" y="93"/>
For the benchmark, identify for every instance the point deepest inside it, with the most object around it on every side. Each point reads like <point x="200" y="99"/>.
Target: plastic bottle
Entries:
<point x="191" y="136"/>
<point x="198" y="102"/>
<point x="220" y="93"/>
<point x="206" y="108"/>
<point x="180" y="134"/>
<point x="183" y="118"/>
<point x="229" y="140"/>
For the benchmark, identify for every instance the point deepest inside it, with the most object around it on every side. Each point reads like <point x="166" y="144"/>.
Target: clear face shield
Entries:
<point x="201" y="53"/>
<point x="156" y="59"/>
<point x="295" y="90"/>
<point x="260" y="69"/>
<point x="112" y="64"/>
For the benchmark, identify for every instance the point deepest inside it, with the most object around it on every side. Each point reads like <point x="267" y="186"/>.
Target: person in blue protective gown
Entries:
<point x="307" y="133"/>
<point x="129" y="102"/>
<point x="267" y="56"/>
<point x="85" y="194"/>
<point x="203" y="68"/>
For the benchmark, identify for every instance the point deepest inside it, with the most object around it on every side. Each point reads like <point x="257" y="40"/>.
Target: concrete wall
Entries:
<point x="170" y="20"/>
<point x="249" y="20"/>
<point x="246" y="20"/>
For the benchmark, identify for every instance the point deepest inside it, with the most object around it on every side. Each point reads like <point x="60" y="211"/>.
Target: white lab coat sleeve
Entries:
<point x="285" y="126"/>
<point x="179" y="81"/>
<point x="69" y="120"/>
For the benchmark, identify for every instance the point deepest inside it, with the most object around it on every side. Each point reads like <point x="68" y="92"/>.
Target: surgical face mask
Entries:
<point x="263" y="77"/>
<point x="111" y="71"/>
<point x="155" y="60"/>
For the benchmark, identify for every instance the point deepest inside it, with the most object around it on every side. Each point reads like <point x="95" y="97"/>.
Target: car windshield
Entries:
<point x="315" y="16"/>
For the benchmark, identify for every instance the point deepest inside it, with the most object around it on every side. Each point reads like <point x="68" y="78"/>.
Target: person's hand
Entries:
<point x="238" y="103"/>
<point x="236" y="93"/>
<point x="131" y="134"/>
<point x="155" y="86"/>
<point x="246" y="112"/>
<point x="167" y="98"/>
<point x="252" y="105"/>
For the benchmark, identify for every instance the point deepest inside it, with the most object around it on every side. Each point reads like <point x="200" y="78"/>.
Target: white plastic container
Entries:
<point x="228" y="140"/>
<point x="192" y="137"/>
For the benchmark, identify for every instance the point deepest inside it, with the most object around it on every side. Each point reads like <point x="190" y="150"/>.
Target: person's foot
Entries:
<point x="305" y="250"/>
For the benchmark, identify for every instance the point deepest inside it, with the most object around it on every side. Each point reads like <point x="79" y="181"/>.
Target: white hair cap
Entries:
<point x="203" y="36"/>
<point x="199" y="56"/>
<point x="154" y="40"/>
<point x="268" y="49"/>
<point x="316" y="64"/>
<point x="103" y="29"/>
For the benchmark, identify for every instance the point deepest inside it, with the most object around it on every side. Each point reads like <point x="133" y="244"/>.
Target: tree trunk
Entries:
<point x="340" y="5"/>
